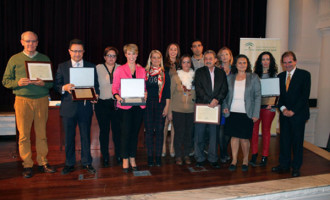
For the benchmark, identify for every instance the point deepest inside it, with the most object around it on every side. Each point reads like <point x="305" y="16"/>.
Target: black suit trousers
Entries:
<point x="291" y="140"/>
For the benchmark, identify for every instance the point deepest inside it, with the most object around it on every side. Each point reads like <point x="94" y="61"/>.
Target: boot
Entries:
<point x="253" y="161"/>
<point x="263" y="161"/>
<point x="150" y="161"/>
<point x="158" y="161"/>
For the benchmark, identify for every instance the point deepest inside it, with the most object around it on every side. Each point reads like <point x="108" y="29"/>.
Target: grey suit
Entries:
<point x="252" y="95"/>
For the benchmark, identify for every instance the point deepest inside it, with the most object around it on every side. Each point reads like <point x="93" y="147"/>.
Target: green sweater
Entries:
<point x="15" y="70"/>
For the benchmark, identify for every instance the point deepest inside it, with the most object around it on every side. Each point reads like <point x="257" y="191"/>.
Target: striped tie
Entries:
<point x="288" y="79"/>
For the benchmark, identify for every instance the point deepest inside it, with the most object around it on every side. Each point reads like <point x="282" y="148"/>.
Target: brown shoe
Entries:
<point x="179" y="161"/>
<point x="187" y="160"/>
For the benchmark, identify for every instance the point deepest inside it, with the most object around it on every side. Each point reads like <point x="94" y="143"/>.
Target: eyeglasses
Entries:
<point x="30" y="41"/>
<point x="183" y="62"/>
<point x="111" y="56"/>
<point x="77" y="51"/>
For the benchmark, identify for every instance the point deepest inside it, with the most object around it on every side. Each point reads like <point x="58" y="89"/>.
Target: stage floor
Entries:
<point x="177" y="181"/>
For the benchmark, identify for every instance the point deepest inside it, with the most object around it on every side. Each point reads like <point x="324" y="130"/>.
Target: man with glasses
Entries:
<point x="31" y="104"/>
<point x="75" y="112"/>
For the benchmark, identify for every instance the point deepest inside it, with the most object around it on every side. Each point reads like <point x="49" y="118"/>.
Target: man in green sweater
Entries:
<point x="31" y="103"/>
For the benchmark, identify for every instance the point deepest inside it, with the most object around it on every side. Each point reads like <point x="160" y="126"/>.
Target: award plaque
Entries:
<point x="38" y="69"/>
<point x="270" y="87"/>
<point x="132" y="91"/>
<point x="207" y="115"/>
<point x="83" y="80"/>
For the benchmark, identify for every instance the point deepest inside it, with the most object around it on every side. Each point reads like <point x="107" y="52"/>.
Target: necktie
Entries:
<point x="288" y="79"/>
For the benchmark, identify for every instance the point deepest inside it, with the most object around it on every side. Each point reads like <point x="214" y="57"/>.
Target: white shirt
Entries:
<point x="212" y="78"/>
<point x="74" y="63"/>
<point x="238" y="104"/>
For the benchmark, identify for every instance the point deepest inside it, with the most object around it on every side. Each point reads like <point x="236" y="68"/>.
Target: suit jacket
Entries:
<point x="203" y="87"/>
<point x="252" y="94"/>
<point x="68" y="107"/>
<point x="296" y="98"/>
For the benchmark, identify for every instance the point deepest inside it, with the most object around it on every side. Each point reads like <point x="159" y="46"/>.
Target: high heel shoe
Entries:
<point x="263" y="161"/>
<point x="134" y="169"/>
<point x="125" y="170"/>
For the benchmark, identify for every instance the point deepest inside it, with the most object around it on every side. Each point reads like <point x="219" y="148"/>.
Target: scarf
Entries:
<point x="157" y="71"/>
<point x="186" y="78"/>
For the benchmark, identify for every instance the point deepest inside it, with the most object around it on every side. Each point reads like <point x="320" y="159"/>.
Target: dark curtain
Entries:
<point x="151" y="24"/>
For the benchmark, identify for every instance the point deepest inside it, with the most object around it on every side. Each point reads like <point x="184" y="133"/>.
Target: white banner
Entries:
<point x="252" y="47"/>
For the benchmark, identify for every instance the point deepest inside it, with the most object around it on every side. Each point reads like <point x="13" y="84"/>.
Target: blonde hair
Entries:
<point x="230" y="53"/>
<point x="149" y="60"/>
<point x="131" y="47"/>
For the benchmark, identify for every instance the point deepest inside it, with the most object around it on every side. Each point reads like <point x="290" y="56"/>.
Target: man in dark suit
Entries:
<point x="295" y="85"/>
<point x="211" y="88"/>
<point x="75" y="112"/>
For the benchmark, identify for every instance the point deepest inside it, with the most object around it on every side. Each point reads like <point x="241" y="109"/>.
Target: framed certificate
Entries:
<point x="132" y="91"/>
<point x="207" y="115"/>
<point x="83" y="94"/>
<point x="270" y="87"/>
<point x="38" y="69"/>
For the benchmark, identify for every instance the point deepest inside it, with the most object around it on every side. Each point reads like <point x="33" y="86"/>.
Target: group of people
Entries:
<point x="173" y="85"/>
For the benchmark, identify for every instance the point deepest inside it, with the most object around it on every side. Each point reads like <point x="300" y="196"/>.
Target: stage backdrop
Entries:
<point x="151" y="24"/>
<point x="252" y="47"/>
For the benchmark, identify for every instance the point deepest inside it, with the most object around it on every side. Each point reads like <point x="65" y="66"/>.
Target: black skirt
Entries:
<point x="239" y="125"/>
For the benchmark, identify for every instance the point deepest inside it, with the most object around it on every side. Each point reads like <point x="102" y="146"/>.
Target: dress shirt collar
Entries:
<point x="74" y="63"/>
<point x="292" y="72"/>
<point x="35" y="53"/>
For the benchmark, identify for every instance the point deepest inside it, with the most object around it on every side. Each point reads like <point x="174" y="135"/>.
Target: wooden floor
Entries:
<point x="113" y="182"/>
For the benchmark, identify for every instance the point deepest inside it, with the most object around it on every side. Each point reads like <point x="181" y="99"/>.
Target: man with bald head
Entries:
<point x="31" y="104"/>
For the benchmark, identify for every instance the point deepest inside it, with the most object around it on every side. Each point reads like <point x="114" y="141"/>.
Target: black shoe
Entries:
<point x="263" y="161"/>
<point x="46" y="169"/>
<point x="158" y="162"/>
<point x="106" y="162"/>
<point x="134" y="169"/>
<point x="67" y="169"/>
<point x="90" y="169"/>
<point x="232" y="167"/>
<point x="295" y="173"/>
<point x="245" y="168"/>
<point x="215" y="165"/>
<point x="253" y="161"/>
<point x="280" y="169"/>
<point x="27" y="172"/>
<point x="125" y="170"/>
<point x="200" y="164"/>
<point x="150" y="161"/>
<point x="119" y="161"/>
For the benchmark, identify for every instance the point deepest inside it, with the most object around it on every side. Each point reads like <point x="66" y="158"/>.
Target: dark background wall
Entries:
<point x="151" y="24"/>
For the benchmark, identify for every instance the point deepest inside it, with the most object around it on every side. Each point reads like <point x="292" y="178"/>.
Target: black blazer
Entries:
<point x="203" y="85"/>
<point x="296" y="98"/>
<point x="68" y="107"/>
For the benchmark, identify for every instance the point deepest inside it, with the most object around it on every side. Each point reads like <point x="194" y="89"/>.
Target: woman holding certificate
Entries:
<point x="158" y="87"/>
<point x="182" y="109"/>
<point x="171" y="63"/>
<point x="105" y="111"/>
<point x="226" y="59"/>
<point x="130" y="116"/>
<point x="265" y="67"/>
<point x="241" y="108"/>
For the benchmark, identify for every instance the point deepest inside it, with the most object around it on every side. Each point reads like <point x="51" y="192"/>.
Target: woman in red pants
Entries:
<point x="265" y="67"/>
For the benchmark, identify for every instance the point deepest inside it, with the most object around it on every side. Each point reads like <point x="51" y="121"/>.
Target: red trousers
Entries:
<point x="266" y="118"/>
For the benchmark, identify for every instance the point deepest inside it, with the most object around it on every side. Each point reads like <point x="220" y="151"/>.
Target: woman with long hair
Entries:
<point x="265" y="67"/>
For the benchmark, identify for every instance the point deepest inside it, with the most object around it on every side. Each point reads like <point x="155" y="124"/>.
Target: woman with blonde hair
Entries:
<point x="130" y="116"/>
<point x="158" y="101"/>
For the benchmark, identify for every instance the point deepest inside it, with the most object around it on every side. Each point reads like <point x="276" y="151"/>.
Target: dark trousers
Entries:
<point x="84" y="123"/>
<point x="183" y="124"/>
<point x="291" y="139"/>
<point x="130" y="123"/>
<point x="107" y="115"/>
<point x="223" y="142"/>
<point x="200" y="131"/>
<point x="154" y="125"/>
